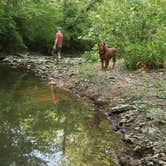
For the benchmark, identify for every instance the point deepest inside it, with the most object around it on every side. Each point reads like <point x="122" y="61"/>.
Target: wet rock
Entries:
<point x="100" y="103"/>
<point x="150" y="163"/>
<point x="122" y="121"/>
<point x="162" y="163"/>
<point x="22" y="55"/>
<point x="163" y="157"/>
<point x="122" y="108"/>
<point x="128" y="138"/>
<point x="135" y="162"/>
<point x="124" y="161"/>
<point x="110" y="78"/>
<point x="137" y="149"/>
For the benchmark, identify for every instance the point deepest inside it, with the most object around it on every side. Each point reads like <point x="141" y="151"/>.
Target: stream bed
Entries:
<point x="34" y="132"/>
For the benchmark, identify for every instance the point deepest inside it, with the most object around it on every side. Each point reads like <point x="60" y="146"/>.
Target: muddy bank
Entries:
<point x="134" y="102"/>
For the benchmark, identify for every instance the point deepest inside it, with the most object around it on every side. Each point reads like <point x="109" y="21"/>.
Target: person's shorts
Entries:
<point x="57" y="49"/>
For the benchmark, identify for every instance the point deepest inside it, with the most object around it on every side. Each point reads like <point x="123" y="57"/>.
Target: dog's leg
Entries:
<point x="114" y="60"/>
<point x="102" y="64"/>
<point x="107" y="64"/>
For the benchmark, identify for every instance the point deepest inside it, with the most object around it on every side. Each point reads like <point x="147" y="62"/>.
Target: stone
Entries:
<point x="150" y="163"/>
<point x="162" y="163"/>
<point x="135" y="162"/>
<point x="100" y="102"/>
<point x="137" y="149"/>
<point x="124" y="161"/>
<point x="163" y="157"/>
<point x="128" y="138"/>
<point x="122" y="108"/>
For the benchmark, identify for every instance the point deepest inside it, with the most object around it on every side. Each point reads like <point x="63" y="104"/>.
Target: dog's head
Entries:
<point x="101" y="48"/>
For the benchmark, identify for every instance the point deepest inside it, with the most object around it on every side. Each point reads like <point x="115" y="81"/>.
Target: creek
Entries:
<point x="33" y="131"/>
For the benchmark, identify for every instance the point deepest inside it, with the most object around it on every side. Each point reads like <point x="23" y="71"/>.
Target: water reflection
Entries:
<point x="33" y="131"/>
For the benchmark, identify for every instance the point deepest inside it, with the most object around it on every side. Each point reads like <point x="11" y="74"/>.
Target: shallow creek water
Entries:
<point x="34" y="132"/>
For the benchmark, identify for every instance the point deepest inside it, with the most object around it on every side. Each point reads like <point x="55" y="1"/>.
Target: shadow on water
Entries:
<point x="33" y="131"/>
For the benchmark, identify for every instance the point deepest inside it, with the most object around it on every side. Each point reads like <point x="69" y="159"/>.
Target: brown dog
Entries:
<point x="106" y="53"/>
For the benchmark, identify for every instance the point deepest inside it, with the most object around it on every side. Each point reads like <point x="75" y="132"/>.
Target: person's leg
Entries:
<point x="55" y="54"/>
<point x="59" y="52"/>
<point x="54" y="94"/>
<point x="59" y="55"/>
<point x="55" y="97"/>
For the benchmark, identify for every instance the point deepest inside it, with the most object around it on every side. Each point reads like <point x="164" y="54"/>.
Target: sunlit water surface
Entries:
<point x="34" y="132"/>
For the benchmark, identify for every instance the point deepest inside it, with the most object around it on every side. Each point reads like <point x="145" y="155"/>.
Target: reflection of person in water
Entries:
<point x="54" y="94"/>
<point x="53" y="85"/>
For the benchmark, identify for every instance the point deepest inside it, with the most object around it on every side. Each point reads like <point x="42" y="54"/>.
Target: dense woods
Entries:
<point x="136" y="27"/>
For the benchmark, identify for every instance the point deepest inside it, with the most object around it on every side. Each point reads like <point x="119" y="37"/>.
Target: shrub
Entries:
<point x="136" y="28"/>
<point x="91" y="56"/>
<point x="10" y="38"/>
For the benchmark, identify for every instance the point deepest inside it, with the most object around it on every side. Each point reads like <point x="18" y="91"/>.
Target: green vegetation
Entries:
<point x="136" y="27"/>
<point x="32" y="23"/>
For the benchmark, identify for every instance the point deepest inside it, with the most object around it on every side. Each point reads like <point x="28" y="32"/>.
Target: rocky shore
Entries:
<point x="134" y="102"/>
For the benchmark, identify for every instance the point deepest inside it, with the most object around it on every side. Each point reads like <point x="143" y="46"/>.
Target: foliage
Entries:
<point x="27" y="24"/>
<point x="32" y="24"/>
<point x="87" y="71"/>
<point x="136" y="28"/>
<point x="91" y="56"/>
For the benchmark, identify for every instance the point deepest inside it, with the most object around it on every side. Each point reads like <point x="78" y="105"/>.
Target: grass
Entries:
<point x="86" y="70"/>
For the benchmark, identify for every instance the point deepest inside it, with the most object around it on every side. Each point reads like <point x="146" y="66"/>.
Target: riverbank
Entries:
<point x="134" y="102"/>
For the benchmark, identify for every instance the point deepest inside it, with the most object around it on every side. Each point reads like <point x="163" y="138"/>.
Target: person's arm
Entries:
<point x="55" y="42"/>
<point x="56" y="39"/>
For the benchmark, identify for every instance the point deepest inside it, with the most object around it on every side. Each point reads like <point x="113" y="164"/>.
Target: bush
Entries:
<point x="136" y="28"/>
<point x="150" y="55"/>
<point x="33" y="24"/>
<point x="10" y="38"/>
<point x="91" y="56"/>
